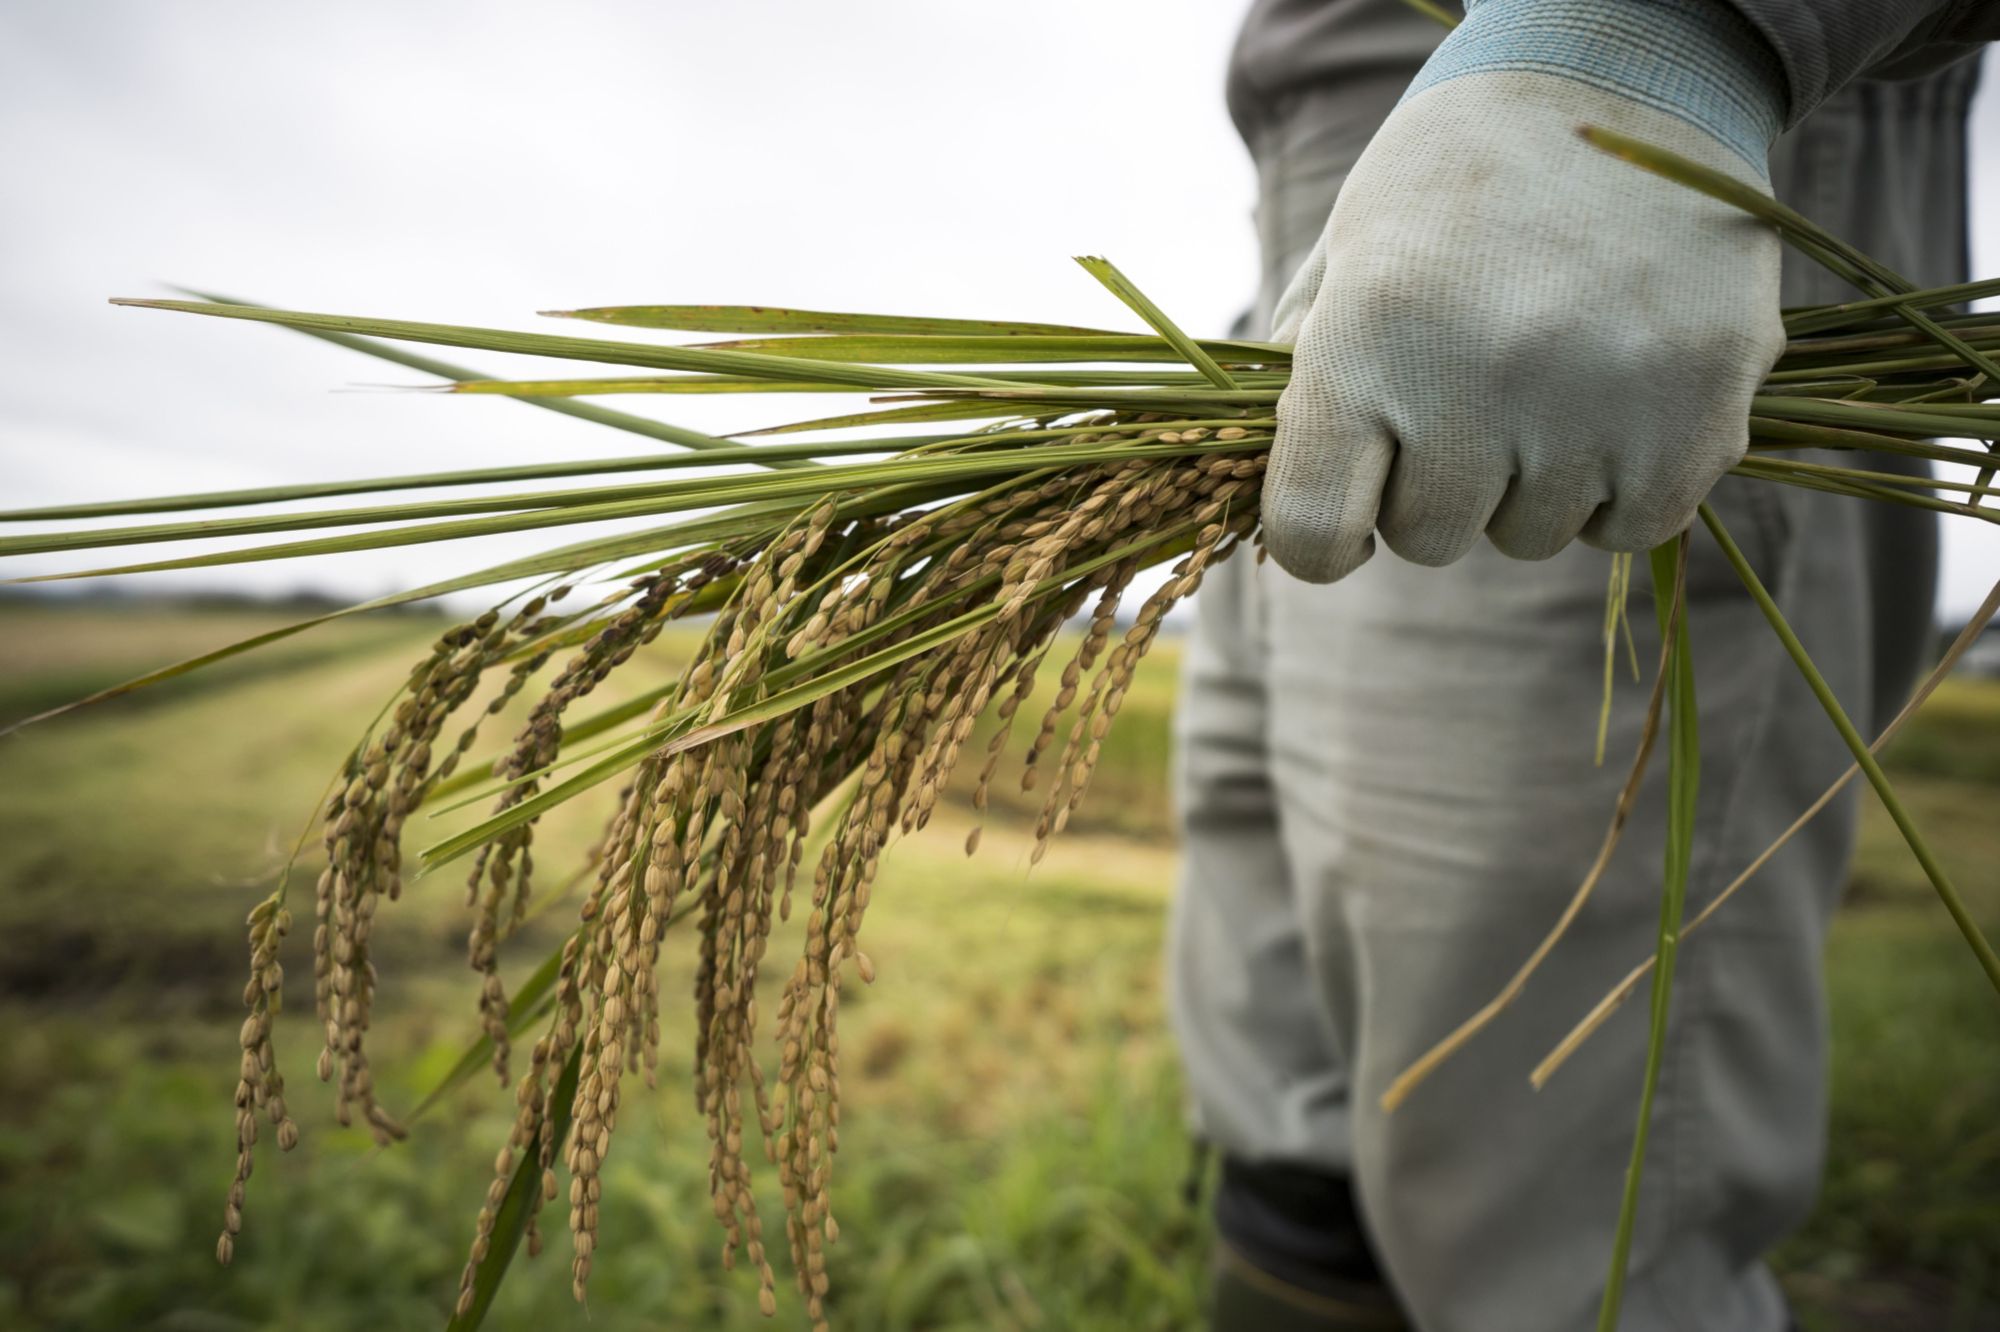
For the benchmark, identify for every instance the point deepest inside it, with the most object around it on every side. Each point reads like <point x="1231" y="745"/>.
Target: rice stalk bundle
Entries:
<point x="868" y="600"/>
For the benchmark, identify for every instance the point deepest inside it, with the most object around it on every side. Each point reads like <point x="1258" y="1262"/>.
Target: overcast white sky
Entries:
<point x="473" y="163"/>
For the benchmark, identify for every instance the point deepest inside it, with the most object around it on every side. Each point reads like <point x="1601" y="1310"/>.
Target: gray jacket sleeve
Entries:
<point x="1824" y="44"/>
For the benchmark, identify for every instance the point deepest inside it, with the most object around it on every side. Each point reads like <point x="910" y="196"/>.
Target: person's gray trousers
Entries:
<point x="1387" y="795"/>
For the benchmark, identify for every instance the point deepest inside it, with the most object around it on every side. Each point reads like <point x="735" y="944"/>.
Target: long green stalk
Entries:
<point x="569" y="508"/>
<point x="1622" y="991"/>
<point x="582" y="411"/>
<point x="780" y="319"/>
<point x="635" y="498"/>
<point x="580" y="349"/>
<point x="1809" y="238"/>
<point x="1669" y="563"/>
<point x="1186" y="347"/>
<point x="760" y="454"/>
<point x="1863" y="756"/>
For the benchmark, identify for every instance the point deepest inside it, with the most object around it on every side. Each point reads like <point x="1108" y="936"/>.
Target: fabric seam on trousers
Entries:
<point x="1774" y="531"/>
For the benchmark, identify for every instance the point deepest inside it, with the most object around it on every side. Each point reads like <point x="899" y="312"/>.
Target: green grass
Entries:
<point x="53" y="653"/>
<point x="1012" y="1155"/>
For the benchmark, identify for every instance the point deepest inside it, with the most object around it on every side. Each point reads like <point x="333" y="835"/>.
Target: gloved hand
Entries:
<point x="1505" y="330"/>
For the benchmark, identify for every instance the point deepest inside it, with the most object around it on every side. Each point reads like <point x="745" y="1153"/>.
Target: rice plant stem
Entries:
<point x="1768" y="435"/>
<point x="679" y="493"/>
<point x="653" y="356"/>
<point x="1127" y="291"/>
<point x="1815" y="242"/>
<point x="1947" y="893"/>
<point x="1912" y="481"/>
<point x="571" y="508"/>
<point x="763" y="454"/>
<point x="1802" y="321"/>
<point x="1430" y="9"/>
<point x="1827" y="249"/>
<point x="1977" y="420"/>
<point x="1908" y="498"/>
<point x="583" y="411"/>
<point x="1612" y="1000"/>
<point x="1683" y="779"/>
<point x="1628" y="797"/>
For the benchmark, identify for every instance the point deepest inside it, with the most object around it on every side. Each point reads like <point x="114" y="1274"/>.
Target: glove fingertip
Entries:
<point x="1323" y="491"/>
<point x="1324" y="564"/>
<point x="1314" y="551"/>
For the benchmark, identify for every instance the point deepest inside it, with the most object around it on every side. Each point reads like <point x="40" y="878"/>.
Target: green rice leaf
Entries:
<point x="517" y="1206"/>
<point x="1127" y="291"/>
<point x="1766" y="433"/>
<point x="610" y="765"/>
<point x="575" y="349"/>
<point x="412" y="535"/>
<point x="929" y="411"/>
<point x="1431" y="9"/>
<point x="530" y="1002"/>
<point x="776" y="319"/>
<point x="1041" y="400"/>
<point x="1806" y="235"/>
<point x="225" y="499"/>
<point x="723" y="384"/>
<point x="978" y="351"/>
<point x="1813" y="318"/>
<point x="555" y="508"/>
<point x="1947" y="892"/>
<point x="637" y="425"/>
<point x="565" y="560"/>
<point x="1974" y="422"/>
<point x="565" y="388"/>
<point x="819" y="686"/>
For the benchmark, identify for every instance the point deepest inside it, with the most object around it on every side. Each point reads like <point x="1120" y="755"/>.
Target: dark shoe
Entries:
<point x="1245" y="1298"/>
<point x="1292" y="1256"/>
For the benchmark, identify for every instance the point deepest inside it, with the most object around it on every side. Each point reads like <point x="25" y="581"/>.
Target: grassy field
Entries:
<point x="1012" y="1158"/>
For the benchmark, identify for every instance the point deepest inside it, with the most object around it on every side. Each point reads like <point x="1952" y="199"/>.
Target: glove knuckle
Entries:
<point x="1536" y="534"/>
<point x="1432" y="540"/>
<point x="1632" y="525"/>
<point x="1538" y="545"/>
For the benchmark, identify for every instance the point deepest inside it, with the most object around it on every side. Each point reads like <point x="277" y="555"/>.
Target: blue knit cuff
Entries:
<point x="1696" y="59"/>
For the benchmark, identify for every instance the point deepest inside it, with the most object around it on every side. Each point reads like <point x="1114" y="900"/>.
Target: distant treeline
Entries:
<point x="303" y="600"/>
<point x="1983" y="659"/>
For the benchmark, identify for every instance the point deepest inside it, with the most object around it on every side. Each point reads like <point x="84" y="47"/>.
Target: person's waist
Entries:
<point x="1290" y="127"/>
<point x="1293" y="50"/>
<point x="1272" y="106"/>
<point x="1939" y="95"/>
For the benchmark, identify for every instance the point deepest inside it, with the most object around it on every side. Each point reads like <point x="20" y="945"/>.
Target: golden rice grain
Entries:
<point x="719" y="831"/>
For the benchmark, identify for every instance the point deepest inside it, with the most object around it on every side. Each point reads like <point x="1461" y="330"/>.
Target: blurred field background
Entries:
<point x="1013" y="1155"/>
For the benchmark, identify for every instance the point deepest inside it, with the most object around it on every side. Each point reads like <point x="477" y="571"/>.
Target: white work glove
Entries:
<point x="1505" y="330"/>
